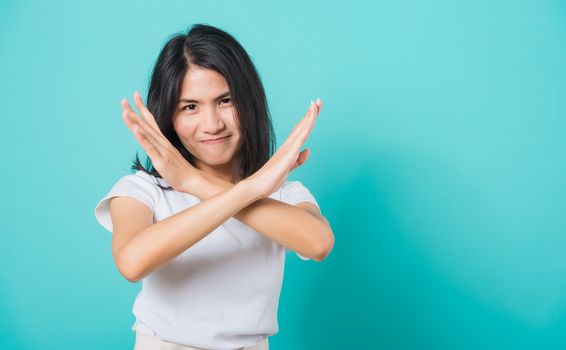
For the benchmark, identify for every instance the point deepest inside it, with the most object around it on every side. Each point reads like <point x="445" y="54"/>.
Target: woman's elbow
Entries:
<point x="325" y="247"/>
<point x="128" y="270"/>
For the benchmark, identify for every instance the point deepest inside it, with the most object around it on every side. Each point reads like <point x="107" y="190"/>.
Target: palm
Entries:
<point x="166" y="159"/>
<point x="275" y="172"/>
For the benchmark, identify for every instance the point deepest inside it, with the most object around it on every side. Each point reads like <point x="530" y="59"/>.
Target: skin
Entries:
<point x="140" y="246"/>
<point x="211" y="115"/>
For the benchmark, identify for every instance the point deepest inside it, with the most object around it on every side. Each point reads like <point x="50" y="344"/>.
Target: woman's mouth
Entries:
<point x="215" y="141"/>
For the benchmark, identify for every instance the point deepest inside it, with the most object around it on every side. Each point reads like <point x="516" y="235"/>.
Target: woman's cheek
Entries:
<point x="231" y="115"/>
<point x="183" y="127"/>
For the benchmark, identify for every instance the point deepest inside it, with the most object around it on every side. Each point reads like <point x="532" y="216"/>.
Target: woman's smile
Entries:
<point x="216" y="141"/>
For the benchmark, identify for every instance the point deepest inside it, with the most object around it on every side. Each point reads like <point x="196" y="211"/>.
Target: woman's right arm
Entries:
<point x="139" y="246"/>
<point x="138" y="254"/>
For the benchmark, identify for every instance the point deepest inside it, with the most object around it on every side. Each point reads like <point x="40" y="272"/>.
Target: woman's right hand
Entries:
<point x="274" y="173"/>
<point x="165" y="158"/>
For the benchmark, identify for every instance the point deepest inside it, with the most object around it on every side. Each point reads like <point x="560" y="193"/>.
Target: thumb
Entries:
<point x="302" y="158"/>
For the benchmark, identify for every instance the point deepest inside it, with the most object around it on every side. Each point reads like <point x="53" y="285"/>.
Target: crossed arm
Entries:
<point x="300" y="228"/>
<point x="140" y="246"/>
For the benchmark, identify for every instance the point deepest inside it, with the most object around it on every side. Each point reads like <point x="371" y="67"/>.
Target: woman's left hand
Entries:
<point x="166" y="159"/>
<point x="273" y="174"/>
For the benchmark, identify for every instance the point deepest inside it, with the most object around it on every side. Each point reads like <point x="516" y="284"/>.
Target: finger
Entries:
<point x="126" y="106"/>
<point x="310" y="123"/>
<point x="306" y="132"/>
<point x="125" y="115"/>
<point x="296" y="130"/>
<point x="313" y="114"/>
<point x="133" y="116"/>
<point x="142" y="128"/>
<point x="305" y="118"/>
<point x="155" y="134"/>
<point x="148" y="147"/>
<point x="305" y="128"/>
<point x="145" y="124"/>
<point x="147" y="115"/>
<point x="129" y="115"/>
<point x="319" y="103"/>
<point x="303" y="156"/>
<point x="298" y="140"/>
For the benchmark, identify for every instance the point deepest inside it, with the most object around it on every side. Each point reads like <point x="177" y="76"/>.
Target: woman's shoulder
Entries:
<point x="293" y="192"/>
<point x="139" y="185"/>
<point x="141" y="175"/>
<point x="143" y="178"/>
<point x="292" y="185"/>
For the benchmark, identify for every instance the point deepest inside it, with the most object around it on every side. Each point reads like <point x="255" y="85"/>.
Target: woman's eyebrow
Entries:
<point x="188" y="100"/>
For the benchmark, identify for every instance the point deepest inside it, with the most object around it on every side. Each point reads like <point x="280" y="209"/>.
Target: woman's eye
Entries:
<point x="225" y="100"/>
<point x="190" y="107"/>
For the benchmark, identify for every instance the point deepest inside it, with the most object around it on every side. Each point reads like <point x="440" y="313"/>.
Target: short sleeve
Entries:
<point x="134" y="186"/>
<point x="293" y="192"/>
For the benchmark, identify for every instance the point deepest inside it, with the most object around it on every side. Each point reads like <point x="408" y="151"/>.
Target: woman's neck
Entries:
<point x="224" y="172"/>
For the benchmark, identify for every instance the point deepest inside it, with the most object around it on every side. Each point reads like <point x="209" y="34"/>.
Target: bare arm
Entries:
<point x="301" y="228"/>
<point x="138" y="253"/>
<point x="159" y="243"/>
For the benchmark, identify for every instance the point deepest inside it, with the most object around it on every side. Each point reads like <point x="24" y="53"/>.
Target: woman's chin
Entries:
<point x="217" y="162"/>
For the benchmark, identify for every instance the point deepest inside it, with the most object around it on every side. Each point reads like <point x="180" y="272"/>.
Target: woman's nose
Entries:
<point x="212" y="121"/>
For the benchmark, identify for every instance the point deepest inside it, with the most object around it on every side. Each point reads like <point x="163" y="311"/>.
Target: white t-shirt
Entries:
<point x="221" y="293"/>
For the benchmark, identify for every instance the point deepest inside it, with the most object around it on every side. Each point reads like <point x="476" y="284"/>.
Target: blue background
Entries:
<point x="438" y="158"/>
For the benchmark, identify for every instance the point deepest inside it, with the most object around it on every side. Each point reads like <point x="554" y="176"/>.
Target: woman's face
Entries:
<point x="206" y="121"/>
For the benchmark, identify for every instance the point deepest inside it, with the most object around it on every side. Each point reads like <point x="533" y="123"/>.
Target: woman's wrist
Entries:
<point x="210" y="186"/>
<point x="203" y="185"/>
<point x="192" y="183"/>
<point x="251" y="189"/>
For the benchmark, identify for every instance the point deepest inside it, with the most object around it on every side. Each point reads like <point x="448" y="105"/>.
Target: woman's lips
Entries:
<point x="212" y="142"/>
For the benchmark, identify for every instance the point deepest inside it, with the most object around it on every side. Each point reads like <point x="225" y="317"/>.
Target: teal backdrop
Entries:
<point x="438" y="158"/>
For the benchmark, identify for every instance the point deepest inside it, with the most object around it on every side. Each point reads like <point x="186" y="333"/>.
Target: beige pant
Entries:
<point x="153" y="342"/>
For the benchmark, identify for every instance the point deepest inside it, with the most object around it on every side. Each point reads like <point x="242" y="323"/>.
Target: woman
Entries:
<point x="206" y="224"/>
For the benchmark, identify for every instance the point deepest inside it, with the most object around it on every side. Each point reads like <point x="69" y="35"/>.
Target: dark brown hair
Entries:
<point x="211" y="48"/>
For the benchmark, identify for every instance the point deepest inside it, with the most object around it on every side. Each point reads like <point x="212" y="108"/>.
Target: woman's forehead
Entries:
<point x="201" y="84"/>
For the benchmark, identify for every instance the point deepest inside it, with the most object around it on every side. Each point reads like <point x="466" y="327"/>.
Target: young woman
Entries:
<point x="206" y="224"/>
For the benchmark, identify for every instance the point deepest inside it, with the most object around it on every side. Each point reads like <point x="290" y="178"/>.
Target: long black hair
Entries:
<point x="211" y="48"/>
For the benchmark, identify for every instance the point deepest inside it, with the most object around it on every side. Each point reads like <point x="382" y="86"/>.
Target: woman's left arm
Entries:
<point x="300" y="228"/>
